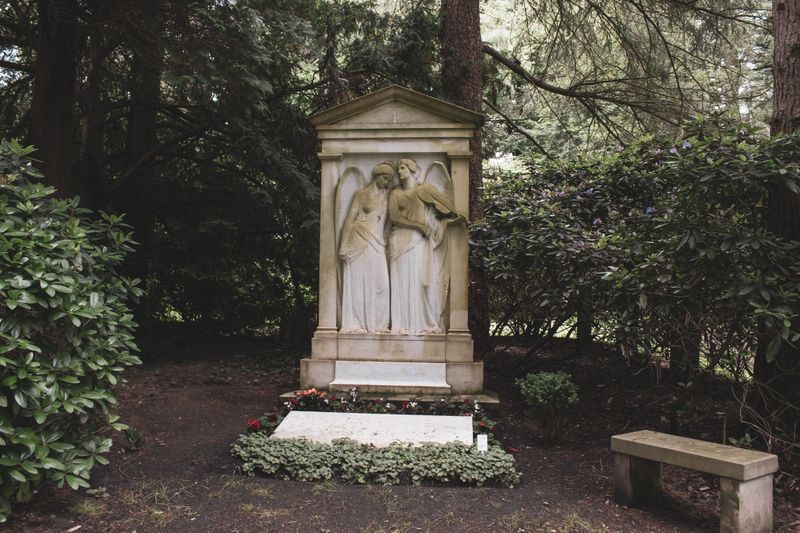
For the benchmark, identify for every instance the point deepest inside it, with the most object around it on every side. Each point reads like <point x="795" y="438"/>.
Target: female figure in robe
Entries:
<point x="415" y="210"/>
<point x="365" y="276"/>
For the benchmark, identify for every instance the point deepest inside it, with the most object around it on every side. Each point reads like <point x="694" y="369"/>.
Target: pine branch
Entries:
<point x="571" y="92"/>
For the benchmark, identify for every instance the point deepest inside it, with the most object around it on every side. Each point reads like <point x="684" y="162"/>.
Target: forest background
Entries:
<point x="626" y="187"/>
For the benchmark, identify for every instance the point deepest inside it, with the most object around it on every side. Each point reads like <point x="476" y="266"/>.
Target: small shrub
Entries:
<point x="66" y="332"/>
<point x="360" y="463"/>
<point x="549" y="393"/>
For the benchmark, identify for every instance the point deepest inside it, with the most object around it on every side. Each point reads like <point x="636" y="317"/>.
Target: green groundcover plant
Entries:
<point x="353" y="462"/>
<point x="66" y="332"/>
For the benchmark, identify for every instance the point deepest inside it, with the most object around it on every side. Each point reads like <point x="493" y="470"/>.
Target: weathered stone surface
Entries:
<point x="375" y="429"/>
<point x="425" y="142"/>
<point x="745" y="475"/>
<point x="391" y="347"/>
<point x="390" y="376"/>
<point x="636" y="480"/>
<point x="465" y="378"/>
<point x="316" y="373"/>
<point x="712" y="458"/>
<point x="746" y="506"/>
<point x="398" y="99"/>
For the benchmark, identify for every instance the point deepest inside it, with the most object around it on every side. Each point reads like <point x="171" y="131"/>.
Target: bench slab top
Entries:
<point x="708" y="457"/>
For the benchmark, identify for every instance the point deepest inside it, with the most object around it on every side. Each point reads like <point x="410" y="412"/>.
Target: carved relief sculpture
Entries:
<point x="362" y="250"/>
<point x="419" y="213"/>
<point x="394" y="247"/>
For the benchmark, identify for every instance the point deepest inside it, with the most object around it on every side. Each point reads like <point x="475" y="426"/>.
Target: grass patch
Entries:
<point x="89" y="508"/>
<point x="265" y="492"/>
<point x="260" y="512"/>
<point x="574" y="523"/>
<point x="157" y="504"/>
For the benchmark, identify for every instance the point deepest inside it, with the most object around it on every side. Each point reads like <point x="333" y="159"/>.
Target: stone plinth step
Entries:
<point x="380" y="376"/>
<point x="376" y="429"/>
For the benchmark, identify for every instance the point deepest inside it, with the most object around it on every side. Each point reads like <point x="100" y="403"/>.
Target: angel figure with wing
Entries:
<point x="362" y="249"/>
<point x="420" y="213"/>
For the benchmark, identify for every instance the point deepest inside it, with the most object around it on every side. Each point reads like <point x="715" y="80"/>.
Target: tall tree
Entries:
<point x="139" y="183"/>
<point x="779" y="372"/>
<point x="462" y="84"/>
<point x="52" y="128"/>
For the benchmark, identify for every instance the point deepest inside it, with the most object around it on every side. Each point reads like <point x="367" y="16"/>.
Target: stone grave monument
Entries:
<point x="393" y="247"/>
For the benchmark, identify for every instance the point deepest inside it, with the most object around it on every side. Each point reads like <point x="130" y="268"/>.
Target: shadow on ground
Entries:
<point x="191" y="398"/>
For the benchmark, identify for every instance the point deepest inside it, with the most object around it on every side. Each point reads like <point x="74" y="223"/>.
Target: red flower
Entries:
<point x="254" y="423"/>
<point x="482" y="423"/>
<point x="511" y="449"/>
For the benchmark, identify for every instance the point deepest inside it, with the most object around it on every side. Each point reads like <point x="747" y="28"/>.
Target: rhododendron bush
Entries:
<point x="66" y="332"/>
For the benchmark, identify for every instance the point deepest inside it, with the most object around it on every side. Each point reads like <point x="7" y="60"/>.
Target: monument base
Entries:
<point x="392" y="377"/>
<point x="390" y="363"/>
<point x="455" y="346"/>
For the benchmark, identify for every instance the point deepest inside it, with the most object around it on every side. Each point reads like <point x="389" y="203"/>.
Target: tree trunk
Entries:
<point x="140" y="190"/>
<point x="462" y="82"/>
<point x="781" y="377"/>
<point x="684" y="349"/>
<point x="145" y="87"/>
<point x="53" y="97"/>
<point x="585" y="318"/>
<point x="93" y="160"/>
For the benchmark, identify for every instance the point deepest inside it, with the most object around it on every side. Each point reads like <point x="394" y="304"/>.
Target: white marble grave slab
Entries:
<point x="376" y="429"/>
<point x="398" y="374"/>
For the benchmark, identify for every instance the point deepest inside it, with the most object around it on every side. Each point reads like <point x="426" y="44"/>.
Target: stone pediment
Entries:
<point x="396" y="107"/>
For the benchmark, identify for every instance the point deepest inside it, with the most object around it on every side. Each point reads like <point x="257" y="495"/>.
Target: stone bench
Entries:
<point x="745" y="475"/>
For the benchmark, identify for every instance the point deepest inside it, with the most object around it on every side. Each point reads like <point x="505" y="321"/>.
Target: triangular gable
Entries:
<point x="395" y="105"/>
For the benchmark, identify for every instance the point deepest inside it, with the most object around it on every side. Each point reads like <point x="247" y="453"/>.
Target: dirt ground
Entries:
<point x="193" y="395"/>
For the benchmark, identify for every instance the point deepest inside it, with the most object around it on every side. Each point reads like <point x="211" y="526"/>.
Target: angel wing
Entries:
<point x="438" y="176"/>
<point x="352" y="180"/>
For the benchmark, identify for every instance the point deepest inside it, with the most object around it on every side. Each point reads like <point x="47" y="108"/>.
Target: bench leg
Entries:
<point x="745" y="506"/>
<point x="636" y="480"/>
